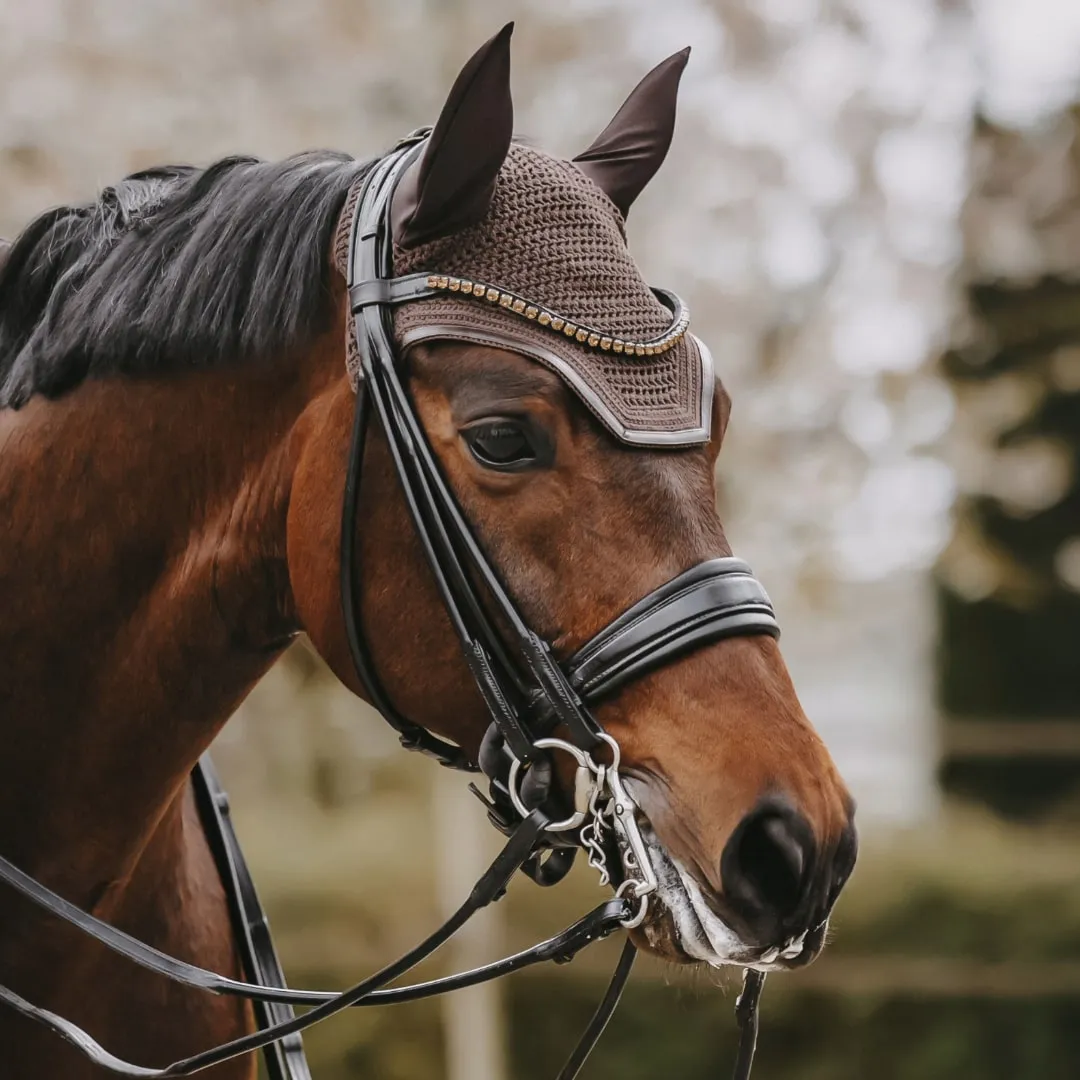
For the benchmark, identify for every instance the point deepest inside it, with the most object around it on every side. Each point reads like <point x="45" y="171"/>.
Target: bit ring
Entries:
<point x="584" y="763"/>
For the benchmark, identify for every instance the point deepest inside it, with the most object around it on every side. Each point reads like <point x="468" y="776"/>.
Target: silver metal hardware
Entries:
<point x="640" y="878"/>
<point x="602" y="800"/>
<point x="583" y="784"/>
<point x="627" y="887"/>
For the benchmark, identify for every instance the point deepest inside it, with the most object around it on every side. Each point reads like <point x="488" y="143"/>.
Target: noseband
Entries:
<point x="538" y="705"/>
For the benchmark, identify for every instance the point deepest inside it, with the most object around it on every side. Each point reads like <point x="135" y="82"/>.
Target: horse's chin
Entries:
<point x="682" y="928"/>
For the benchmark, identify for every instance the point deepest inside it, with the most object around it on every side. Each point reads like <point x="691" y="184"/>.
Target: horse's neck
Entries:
<point x="142" y="548"/>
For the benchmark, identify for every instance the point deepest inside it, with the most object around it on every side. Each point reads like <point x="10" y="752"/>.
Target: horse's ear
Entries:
<point x="627" y="153"/>
<point x="451" y="185"/>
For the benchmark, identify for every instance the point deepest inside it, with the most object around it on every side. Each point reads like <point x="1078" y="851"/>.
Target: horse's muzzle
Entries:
<point x="779" y="883"/>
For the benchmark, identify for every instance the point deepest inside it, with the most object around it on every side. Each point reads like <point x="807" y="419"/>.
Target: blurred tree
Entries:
<point x="1010" y="582"/>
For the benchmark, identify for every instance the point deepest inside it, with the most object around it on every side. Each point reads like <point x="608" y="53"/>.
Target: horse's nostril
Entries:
<point x="764" y="866"/>
<point x="780" y="861"/>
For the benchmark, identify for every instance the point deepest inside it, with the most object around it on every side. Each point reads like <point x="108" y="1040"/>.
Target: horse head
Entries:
<point x="578" y="425"/>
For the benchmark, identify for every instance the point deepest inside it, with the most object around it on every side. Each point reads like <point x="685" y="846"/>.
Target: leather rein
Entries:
<point x="529" y="694"/>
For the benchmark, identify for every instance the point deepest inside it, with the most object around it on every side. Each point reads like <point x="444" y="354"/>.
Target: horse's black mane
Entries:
<point x="172" y="268"/>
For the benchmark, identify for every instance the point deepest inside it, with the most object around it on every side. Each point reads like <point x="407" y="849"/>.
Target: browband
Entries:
<point x="423" y="286"/>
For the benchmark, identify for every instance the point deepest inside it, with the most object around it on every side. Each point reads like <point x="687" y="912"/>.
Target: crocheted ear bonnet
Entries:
<point x="528" y="252"/>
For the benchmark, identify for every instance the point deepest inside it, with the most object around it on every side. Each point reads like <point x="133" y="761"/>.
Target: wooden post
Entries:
<point x="464" y="845"/>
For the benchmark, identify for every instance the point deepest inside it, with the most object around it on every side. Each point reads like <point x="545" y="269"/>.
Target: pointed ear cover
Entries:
<point x="451" y="184"/>
<point x="627" y="153"/>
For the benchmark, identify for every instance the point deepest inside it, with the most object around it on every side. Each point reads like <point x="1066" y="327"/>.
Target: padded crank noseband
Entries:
<point x="711" y="601"/>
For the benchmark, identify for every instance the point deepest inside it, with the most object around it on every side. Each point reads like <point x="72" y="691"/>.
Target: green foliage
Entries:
<point x="933" y="920"/>
<point x="662" y="1031"/>
<point x="830" y="1023"/>
<point x="1013" y="653"/>
<point x="659" y="1033"/>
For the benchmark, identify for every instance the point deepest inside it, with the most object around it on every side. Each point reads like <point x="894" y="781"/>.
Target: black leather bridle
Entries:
<point x="537" y="704"/>
<point x="526" y="691"/>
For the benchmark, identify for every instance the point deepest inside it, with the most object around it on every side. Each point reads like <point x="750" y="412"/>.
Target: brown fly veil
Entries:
<point x="528" y="252"/>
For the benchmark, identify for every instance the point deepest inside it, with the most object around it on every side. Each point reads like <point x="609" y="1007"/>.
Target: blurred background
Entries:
<point x="873" y="209"/>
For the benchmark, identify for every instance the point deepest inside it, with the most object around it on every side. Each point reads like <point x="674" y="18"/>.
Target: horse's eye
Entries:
<point x="504" y="444"/>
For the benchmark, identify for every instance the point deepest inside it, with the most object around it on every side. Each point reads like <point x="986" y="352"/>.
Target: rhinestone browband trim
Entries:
<point x="556" y="323"/>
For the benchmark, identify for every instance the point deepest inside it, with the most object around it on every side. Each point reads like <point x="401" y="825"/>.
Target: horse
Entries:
<point x="178" y="392"/>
